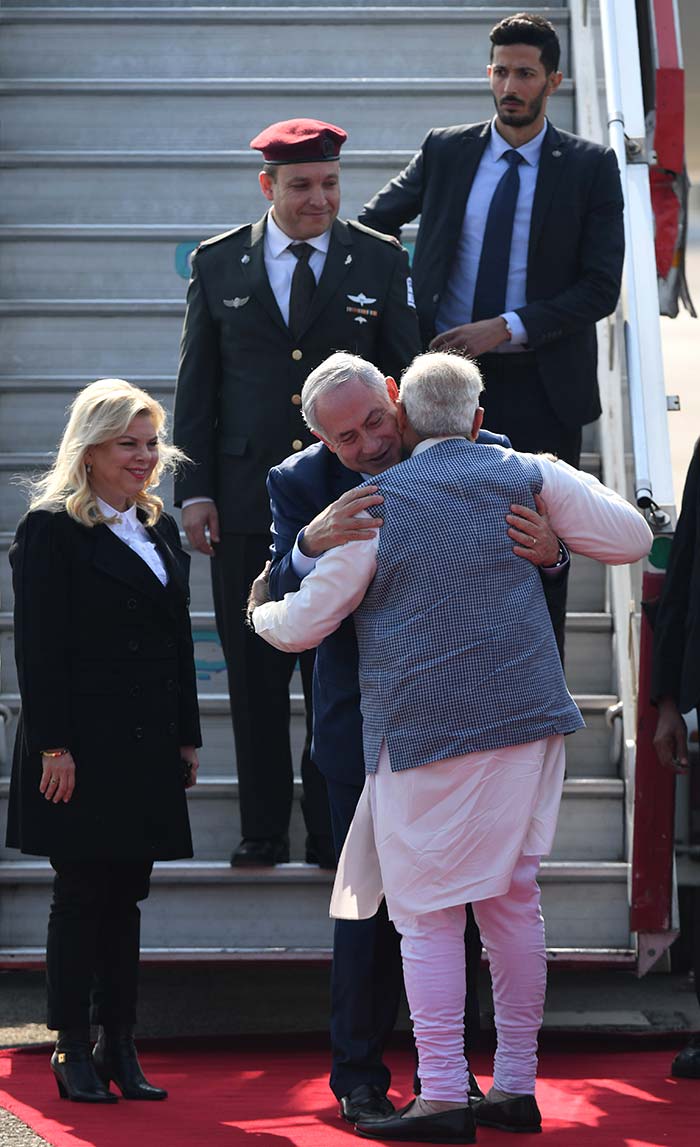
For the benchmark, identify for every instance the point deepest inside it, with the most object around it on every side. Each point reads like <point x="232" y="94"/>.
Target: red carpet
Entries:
<point x="264" y="1097"/>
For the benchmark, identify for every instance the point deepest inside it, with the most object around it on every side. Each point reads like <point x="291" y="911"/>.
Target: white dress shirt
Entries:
<point x="280" y="262"/>
<point x="457" y="301"/>
<point x="129" y="529"/>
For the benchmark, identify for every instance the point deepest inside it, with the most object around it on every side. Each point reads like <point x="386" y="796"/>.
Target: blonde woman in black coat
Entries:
<point x="109" y="726"/>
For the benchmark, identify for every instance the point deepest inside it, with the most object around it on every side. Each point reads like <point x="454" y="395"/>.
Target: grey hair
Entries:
<point x="440" y="394"/>
<point x="330" y="375"/>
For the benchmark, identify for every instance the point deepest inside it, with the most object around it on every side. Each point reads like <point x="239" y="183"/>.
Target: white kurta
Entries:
<point x="451" y="832"/>
<point x="409" y="841"/>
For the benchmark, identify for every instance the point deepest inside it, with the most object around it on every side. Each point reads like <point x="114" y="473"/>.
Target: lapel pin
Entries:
<point x="245" y="259"/>
<point x="237" y="302"/>
<point x="348" y="260"/>
<point x="556" y="153"/>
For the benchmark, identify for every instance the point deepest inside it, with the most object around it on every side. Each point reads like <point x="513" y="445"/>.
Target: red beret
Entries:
<point x="300" y="141"/>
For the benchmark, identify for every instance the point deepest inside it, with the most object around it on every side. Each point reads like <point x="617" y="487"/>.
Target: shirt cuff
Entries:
<point x="301" y="564"/>
<point x="193" y="501"/>
<point x="517" y="330"/>
<point x="559" y="566"/>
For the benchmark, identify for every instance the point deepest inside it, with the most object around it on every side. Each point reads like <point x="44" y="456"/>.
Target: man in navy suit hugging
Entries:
<point x="315" y="502"/>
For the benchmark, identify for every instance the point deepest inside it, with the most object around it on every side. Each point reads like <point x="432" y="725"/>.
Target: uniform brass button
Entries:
<point x="297" y="355"/>
<point x="133" y="645"/>
<point x="132" y="603"/>
<point x="296" y="400"/>
<point x="297" y="444"/>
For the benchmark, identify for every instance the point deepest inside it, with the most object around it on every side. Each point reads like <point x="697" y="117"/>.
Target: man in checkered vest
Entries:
<point x="465" y="709"/>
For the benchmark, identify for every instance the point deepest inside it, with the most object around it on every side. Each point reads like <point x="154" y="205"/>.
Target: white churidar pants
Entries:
<point x="432" y="950"/>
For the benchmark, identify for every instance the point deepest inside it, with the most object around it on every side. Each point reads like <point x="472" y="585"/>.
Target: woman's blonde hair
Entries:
<point x="101" y="411"/>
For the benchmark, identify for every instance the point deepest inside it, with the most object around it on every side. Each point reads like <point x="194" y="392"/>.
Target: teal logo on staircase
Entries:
<point x="183" y="258"/>
<point x="208" y="656"/>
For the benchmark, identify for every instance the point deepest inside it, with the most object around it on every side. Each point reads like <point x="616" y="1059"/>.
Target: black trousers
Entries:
<point x="515" y="403"/>
<point x="367" y="978"/>
<point x="258" y="679"/>
<point x="92" y="948"/>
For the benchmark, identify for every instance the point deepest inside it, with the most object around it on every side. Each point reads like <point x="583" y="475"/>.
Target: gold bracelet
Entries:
<point x="54" y="752"/>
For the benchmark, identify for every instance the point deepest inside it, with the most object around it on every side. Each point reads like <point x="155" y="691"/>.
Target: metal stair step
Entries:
<point x="214" y="906"/>
<point x="156" y="187"/>
<point x="589" y="752"/>
<point x="619" y="957"/>
<point x="46" y="7"/>
<point x="588" y="653"/>
<point x="590" y="821"/>
<point x="107" y="261"/>
<point x="248" y="41"/>
<point x="225" y="113"/>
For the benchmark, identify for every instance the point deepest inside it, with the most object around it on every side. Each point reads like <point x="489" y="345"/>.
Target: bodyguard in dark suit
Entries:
<point x="366" y="976"/>
<point x="519" y="250"/>
<point x="675" y="685"/>
<point x="267" y="303"/>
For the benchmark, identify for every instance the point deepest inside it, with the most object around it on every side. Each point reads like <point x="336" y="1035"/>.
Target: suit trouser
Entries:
<point x="92" y="948"/>
<point x="516" y="404"/>
<point x="366" y="978"/>
<point x="432" y="948"/>
<point x="258" y="678"/>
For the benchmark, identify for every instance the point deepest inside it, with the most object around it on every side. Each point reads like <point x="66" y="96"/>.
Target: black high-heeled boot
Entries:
<point x="115" y="1057"/>
<point x="74" y="1070"/>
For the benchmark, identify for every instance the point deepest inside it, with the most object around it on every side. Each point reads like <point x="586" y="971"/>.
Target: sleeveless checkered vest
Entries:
<point x="457" y="651"/>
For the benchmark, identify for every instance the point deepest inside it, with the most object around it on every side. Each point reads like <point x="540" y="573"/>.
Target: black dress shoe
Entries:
<point x="518" y="1114"/>
<point x="74" y="1071"/>
<point x="453" y="1126"/>
<point x="475" y="1092"/>
<point x="262" y="853"/>
<point x="320" y="851"/>
<point x="114" y="1057"/>
<point x="367" y="1102"/>
<point x="686" y="1065"/>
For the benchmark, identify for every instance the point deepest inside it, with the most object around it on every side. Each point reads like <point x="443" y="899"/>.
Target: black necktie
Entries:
<point x="492" y="277"/>
<point x="303" y="287"/>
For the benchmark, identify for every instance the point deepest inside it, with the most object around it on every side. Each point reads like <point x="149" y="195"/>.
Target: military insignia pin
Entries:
<point x="235" y="302"/>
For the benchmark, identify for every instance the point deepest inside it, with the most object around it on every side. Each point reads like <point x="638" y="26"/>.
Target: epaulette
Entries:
<point x="224" y="235"/>
<point x="370" y="231"/>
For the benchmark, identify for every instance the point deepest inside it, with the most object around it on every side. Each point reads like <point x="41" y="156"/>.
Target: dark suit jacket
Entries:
<point x="676" y="665"/>
<point x="237" y="401"/>
<point x="106" y="668"/>
<point x="575" y="252"/>
<point x="299" y="489"/>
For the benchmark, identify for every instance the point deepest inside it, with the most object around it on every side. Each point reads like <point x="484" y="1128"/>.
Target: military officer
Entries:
<point x="267" y="302"/>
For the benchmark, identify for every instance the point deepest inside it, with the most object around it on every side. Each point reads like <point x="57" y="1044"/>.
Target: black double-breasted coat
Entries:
<point x="106" y="668"/>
